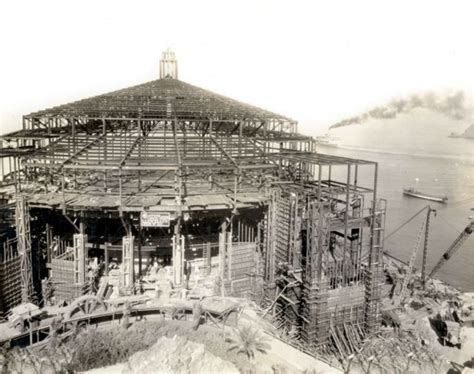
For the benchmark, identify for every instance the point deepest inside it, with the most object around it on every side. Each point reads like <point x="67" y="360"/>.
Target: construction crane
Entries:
<point x="401" y="297"/>
<point x="425" y="227"/>
<point x="453" y="248"/>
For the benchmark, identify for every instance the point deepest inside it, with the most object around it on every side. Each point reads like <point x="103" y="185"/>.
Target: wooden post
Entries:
<point x="106" y="258"/>
<point x="229" y="254"/>
<point x="346" y="215"/>
<point x="120" y="193"/>
<point x="105" y="153"/>
<point x="178" y="254"/>
<point x="49" y="242"/>
<point x="140" y="238"/>
<point x="24" y="247"/>
<point x="371" y="258"/>
<point x="62" y="191"/>
<point x="240" y="138"/>
<point x="319" y="265"/>
<point x="222" y="255"/>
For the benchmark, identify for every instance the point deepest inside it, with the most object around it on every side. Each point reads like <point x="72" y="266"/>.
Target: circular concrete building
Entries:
<point x="165" y="182"/>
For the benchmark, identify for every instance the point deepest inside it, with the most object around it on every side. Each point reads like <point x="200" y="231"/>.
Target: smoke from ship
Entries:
<point x="453" y="106"/>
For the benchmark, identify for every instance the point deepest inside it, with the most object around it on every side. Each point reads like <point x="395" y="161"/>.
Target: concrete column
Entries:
<point x="207" y="258"/>
<point x="222" y="251"/>
<point x="127" y="270"/>
<point x="229" y="255"/>
<point x="178" y="255"/>
<point x="80" y="256"/>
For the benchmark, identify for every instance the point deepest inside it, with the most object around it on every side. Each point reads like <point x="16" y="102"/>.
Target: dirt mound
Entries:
<point x="177" y="355"/>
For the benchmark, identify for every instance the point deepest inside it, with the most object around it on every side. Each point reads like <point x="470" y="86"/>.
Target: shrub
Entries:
<point x="95" y="347"/>
<point x="249" y="341"/>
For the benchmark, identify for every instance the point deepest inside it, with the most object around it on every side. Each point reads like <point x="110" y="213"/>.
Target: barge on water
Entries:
<point x="421" y="195"/>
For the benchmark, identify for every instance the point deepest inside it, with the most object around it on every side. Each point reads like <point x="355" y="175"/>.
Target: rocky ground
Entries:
<point x="433" y="323"/>
<point x="209" y="350"/>
<point x="177" y="355"/>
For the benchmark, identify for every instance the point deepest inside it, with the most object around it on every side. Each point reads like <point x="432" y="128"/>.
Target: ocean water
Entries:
<point x="414" y="152"/>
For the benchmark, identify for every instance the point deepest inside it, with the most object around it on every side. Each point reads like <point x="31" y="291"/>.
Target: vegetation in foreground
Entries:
<point x="98" y="347"/>
<point x="249" y="341"/>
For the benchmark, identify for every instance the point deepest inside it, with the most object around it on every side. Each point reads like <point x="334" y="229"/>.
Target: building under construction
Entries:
<point x="229" y="198"/>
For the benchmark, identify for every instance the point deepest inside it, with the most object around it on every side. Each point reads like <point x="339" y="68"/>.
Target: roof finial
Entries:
<point x="168" y="65"/>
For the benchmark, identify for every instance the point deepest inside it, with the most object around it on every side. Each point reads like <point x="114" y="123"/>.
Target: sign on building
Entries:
<point x="155" y="219"/>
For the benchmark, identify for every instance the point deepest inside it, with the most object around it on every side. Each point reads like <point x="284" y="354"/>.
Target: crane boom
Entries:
<point x="453" y="248"/>
<point x="406" y="280"/>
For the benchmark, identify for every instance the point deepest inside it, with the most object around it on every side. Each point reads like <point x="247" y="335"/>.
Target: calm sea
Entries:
<point x="442" y="166"/>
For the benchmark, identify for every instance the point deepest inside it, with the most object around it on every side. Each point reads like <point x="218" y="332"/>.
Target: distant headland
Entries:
<point x="467" y="134"/>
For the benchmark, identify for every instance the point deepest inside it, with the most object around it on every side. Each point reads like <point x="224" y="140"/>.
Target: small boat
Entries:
<point x="327" y="140"/>
<point x="420" y="195"/>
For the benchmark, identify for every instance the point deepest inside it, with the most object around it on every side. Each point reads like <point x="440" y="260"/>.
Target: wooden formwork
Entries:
<point x="63" y="278"/>
<point x="374" y="277"/>
<point x="287" y="309"/>
<point x="10" y="277"/>
<point x="315" y="326"/>
<point x="339" y="296"/>
<point x="346" y="304"/>
<point x="282" y="232"/>
<point x="373" y="289"/>
<point x="243" y="265"/>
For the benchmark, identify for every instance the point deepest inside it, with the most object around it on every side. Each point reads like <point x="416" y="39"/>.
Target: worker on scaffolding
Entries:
<point x="155" y="267"/>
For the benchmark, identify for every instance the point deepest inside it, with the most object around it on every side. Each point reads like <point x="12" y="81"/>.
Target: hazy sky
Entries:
<point x="315" y="61"/>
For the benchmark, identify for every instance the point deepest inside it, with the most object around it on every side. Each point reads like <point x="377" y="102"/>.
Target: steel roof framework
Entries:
<point x="169" y="158"/>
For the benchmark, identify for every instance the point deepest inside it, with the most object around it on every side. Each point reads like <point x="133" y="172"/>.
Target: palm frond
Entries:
<point x="248" y="340"/>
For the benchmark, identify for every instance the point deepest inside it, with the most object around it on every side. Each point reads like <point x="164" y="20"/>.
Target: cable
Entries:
<point x="450" y="225"/>
<point x="408" y="221"/>
<point x="461" y="202"/>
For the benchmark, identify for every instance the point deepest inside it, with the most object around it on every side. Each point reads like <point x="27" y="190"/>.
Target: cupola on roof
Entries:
<point x="168" y="65"/>
<point x="163" y="98"/>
